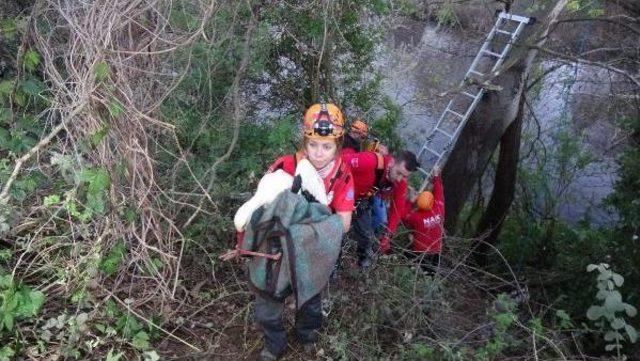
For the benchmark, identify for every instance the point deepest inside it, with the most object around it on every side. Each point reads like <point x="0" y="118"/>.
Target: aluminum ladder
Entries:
<point x="443" y="136"/>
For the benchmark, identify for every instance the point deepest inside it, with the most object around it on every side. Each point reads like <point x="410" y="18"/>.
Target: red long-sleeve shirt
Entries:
<point x="428" y="225"/>
<point x="363" y="167"/>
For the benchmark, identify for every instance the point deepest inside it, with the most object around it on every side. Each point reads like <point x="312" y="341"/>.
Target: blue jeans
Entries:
<point x="378" y="213"/>
<point x="268" y="315"/>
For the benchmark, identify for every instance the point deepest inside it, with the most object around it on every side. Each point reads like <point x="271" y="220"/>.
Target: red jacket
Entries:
<point x="338" y="184"/>
<point x="428" y="225"/>
<point x="363" y="167"/>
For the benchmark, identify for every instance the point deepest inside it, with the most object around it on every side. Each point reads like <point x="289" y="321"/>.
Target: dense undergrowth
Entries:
<point x="130" y="133"/>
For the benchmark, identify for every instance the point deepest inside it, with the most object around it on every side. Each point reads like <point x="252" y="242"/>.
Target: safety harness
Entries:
<point x="379" y="176"/>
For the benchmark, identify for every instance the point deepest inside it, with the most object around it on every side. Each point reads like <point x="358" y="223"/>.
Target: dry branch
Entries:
<point x="237" y="112"/>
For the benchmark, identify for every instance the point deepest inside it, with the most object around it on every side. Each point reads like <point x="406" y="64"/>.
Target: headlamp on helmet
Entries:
<point x="323" y="121"/>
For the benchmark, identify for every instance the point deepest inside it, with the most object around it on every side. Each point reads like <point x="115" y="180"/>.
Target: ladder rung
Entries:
<point x="456" y="113"/>
<point x="443" y="132"/>
<point x="432" y="151"/>
<point x="476" y="72"/>
<point x="492" y="53"/>
<point x="470" y="95"/>
<point x="520" y="19"/>
<point x="504" y="32"/>
<point x="424" y="171"/>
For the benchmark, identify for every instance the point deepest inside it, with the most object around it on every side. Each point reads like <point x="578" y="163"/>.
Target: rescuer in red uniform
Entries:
<point x="427" y="225"/>
<point x="373" y="174"/>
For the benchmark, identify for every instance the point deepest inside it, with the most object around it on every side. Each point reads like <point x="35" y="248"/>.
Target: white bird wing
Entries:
<point x="268" y="189"/>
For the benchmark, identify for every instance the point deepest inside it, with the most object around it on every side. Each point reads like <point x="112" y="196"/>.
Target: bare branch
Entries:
<point x="559" y="55"/>
<point x="612" y="19"/>
<point x="237" y="111"/>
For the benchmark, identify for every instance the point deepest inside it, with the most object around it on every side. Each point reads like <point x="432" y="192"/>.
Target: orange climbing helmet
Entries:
<point x="425" y="201"/>
<point x="323" y="120"/>
<point x="359" y="126"/>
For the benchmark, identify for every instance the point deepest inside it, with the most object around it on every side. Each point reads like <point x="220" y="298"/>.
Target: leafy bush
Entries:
<point x="609" y="316"/>
<point x="18" y="303"/>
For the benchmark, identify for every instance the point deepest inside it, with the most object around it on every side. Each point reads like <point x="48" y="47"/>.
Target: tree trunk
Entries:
<point x="503" y="189"/>
<point x="496" y="112"/>
<point x="632" y="6"/>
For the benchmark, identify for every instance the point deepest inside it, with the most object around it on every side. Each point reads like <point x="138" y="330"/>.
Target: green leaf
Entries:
<point x="8" y="28"/>
<point x="20" y="99"/>
<point x="613" y="302"/>
<point x="4" y="138"/>
<point x="128" y="325"/>
<point x="8" y="321"/>
<point x="111" y="308"/>
<point x="5" y="115"/>
<point x="6" y="281"/>
<point x="617" y="323"/>
<point x="101" y="71"/>
<point x="114" y="107"/>
<point x="564" y="318"/>
<point x="98" y="180"/>
<point x="6" y="353"/>
<point x="631" y="332"/>
<point x="31" y="60"/>
<point x="604" y="275"/>
<point x="151" y="356"/>
<point x="617" y="279"/>
<point x="114" y="258"/>
<point x="594" y="13"/>
<point x="51" y="200"/>
<point x="95" y="204"/>
<point x="630" y="310"/>
<point x="98" y="136"/>
<point x="536" y="325"/>
<point x="573" y="5"/>
<point x="611" y="347"/>
<point x="100" y="327"/>
<point x="112" y="357"/>
<point x="611" y="335"/>
<point x="71" y="207"/>
<point x="33" y="87"/>
<point x="6" y="87"/>
<point x="130" y="215"/>
<point x="140" y="340"/>
<point x="31" y="302"/>
<point x="503" y="321"/>
<point x="5" y="254"/>
<point x="594" y="313"/>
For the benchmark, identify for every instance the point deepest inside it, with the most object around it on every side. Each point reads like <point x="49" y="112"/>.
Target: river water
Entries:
<point x="569" y="110"/>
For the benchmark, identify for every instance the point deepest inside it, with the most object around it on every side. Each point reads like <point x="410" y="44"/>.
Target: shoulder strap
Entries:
<point x="341" y="174"/>
<point x="298" y="156"/>
<point x="379" y="168"/>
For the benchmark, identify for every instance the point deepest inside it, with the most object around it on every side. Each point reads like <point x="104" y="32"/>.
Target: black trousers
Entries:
<point x="429" y="262"/>
<point x="362" y="229"/>
<point x="268" y="315"/>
